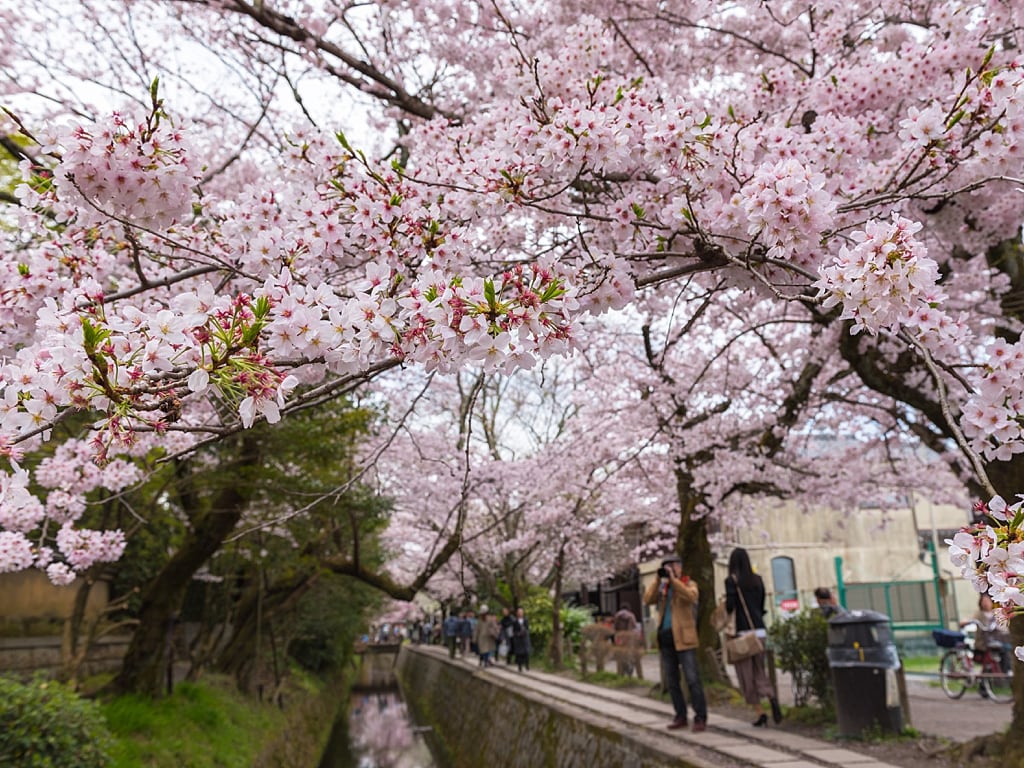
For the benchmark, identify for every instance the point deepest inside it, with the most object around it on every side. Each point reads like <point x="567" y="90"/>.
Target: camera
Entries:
<point x="663" y="572"/>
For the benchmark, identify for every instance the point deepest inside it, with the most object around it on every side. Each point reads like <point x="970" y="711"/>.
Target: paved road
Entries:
<point x="934" y="713"/>
<point x="931" y="711"/>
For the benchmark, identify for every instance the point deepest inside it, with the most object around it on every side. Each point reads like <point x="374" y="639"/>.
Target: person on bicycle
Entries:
<point x="989" y="636"/>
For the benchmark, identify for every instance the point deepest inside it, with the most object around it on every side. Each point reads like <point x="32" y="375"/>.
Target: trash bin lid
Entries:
<point x="859" y="617"/>
<point x="884" y="657"/>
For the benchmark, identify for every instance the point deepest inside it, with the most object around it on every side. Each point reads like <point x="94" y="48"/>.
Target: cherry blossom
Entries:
<point x="451" y="188"/>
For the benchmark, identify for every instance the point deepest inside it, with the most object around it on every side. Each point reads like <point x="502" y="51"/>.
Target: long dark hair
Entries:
<point x="741" y="570"/>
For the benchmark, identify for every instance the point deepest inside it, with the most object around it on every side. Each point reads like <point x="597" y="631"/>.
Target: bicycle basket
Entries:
<point x="947" y="638"/>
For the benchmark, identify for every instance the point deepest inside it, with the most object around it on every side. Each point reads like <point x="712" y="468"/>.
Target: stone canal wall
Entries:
<point x="479" y="720"/>
<point x="22" y="656"/>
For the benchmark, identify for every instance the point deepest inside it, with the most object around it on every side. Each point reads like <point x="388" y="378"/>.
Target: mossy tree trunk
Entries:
<point x="145" y="666"/>
<point x="699" y="563"/>
<point x="555" y="651"/>
<point x="260" y="612"/>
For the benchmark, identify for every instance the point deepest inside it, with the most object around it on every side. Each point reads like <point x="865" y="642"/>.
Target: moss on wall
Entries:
<point x="310" y="719"/>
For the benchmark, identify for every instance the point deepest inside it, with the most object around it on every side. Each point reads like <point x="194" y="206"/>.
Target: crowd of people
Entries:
<point x="489" y="638"/>
<point x="465" y="633"/>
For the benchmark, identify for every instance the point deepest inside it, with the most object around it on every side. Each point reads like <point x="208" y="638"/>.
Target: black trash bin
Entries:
<point x="864" y="664"/>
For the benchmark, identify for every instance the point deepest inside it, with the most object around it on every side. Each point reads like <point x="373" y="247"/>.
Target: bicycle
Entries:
<point x="963" y="667"/>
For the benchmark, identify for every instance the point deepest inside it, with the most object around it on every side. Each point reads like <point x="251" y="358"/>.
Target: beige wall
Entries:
<point x="873" y="546"/>
<point x="29" y="595"/>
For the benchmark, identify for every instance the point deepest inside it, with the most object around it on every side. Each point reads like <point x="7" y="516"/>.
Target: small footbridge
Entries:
<point x="377" y="662"/>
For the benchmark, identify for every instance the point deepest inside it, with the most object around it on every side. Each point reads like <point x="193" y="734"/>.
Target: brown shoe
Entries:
<point x="699" y="725"/>
<point x="675" y="725"/>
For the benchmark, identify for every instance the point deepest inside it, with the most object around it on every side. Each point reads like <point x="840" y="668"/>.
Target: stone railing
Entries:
<point x="25" y="655"/>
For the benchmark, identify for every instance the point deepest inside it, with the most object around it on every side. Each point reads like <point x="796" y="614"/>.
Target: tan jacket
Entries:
<point x="684" y="599"/>
<point x="487" y="632"/>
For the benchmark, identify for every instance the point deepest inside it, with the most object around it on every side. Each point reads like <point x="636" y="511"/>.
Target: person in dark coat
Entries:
<point x="450" y="630"/>
<point x="521" y="647"/>
<point x="506" y="632"/>
<point x="744" y="597"/>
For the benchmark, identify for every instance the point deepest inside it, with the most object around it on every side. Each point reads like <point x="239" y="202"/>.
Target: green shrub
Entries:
<point x="801" y="648"/>
<point x="45" y="724"/>
<point x="539" y="609"/>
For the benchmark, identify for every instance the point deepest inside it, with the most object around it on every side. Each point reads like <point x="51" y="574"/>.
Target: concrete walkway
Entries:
<point x="727" y="742"/>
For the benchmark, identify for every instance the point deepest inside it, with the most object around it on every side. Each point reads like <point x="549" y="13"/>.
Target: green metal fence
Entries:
<point x="910" y="605"/>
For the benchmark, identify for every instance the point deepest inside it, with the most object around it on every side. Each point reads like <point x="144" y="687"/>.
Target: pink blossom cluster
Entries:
<point x="437" y="319"/>
<point x="16" y="552"/>
<point x="991" y="556"/>
<point x="923" y="127"/>
<point x="139" y="173"/>
<point x="22" y="520"/>
<point x="993" y="415"/>
<point x="789" y="209"/>
<point x="887" y="282"/>
<point x="20" y="510"/>
<point x="138" y="368"/>
<point x="81" y="547"/>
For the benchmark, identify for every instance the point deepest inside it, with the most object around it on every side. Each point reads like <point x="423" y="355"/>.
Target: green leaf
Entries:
<point x="553" y="290"/>
<point x="988" y="56"/>
<point x="955" y="119"/>
<point x="261" y="307"/>
<point x="1017" y="519"/>
<point x="92" y="337"/>
<point x="343" y="141"/>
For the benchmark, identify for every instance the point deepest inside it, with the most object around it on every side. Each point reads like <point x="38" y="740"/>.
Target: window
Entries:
<point x="784" y="582"/>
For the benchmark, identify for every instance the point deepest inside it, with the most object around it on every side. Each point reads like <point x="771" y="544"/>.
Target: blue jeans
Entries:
<point x="671" y="661"/>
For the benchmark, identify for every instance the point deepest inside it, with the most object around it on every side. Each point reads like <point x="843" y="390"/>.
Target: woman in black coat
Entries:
<point x="521" y="647"/>
<point x="744" y="597"/>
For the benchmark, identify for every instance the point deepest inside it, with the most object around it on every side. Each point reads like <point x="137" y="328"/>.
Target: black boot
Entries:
<point x="761" y="721"/>
<point x="776" y="710"/>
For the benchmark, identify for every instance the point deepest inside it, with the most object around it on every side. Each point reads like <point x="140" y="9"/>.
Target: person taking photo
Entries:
<point x="676" y="596"/>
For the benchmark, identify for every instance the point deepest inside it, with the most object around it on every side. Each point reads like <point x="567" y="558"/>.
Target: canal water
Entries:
<point x="378" y="733"/>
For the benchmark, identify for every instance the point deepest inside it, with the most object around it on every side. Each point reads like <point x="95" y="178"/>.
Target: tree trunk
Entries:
<point x="71" y="653"/>
<point x="556" y="618"/>
<point x="699" y="563"/>
<point x="255" y="616"/>
<point x="145" y="665"/>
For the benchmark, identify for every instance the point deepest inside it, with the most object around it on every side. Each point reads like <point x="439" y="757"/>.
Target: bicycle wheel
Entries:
<point x="998" y="683"/>
<point x="954" y="674"/>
